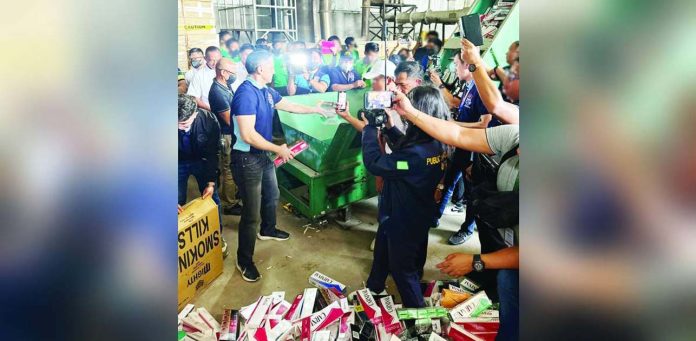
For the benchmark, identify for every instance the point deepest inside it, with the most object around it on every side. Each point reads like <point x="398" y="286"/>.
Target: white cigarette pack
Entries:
<point x="326" y="282"/>
<point x="308" y="298"/>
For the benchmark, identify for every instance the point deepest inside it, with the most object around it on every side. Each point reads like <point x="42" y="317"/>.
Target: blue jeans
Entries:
<point x="255" y="177"/>
<point x="195" y="168"/>
<point x="508" y="295"/>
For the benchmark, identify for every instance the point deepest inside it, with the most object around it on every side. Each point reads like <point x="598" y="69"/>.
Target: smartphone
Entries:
<point x="378" y="99"/>
<point x="341" y="102"/>
<point x="326" y="47"/>
<point x="471" y="29"/>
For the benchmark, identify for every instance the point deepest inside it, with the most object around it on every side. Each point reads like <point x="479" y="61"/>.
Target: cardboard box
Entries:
<point x="200" y="248"/>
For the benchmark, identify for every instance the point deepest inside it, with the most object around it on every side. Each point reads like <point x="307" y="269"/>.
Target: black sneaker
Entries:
<point x="460" y="237"/>
<point x="233" y="210"/>
<point x="275" y="235"/>
<point x="249" y="272"/>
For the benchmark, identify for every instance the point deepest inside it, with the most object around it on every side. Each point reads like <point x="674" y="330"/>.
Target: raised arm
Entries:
<point x="295" y="108"/>
<point x="491" y="97"/>
<point x="446" y="132"/>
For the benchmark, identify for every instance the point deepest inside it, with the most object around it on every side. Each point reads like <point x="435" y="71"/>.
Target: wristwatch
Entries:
<point x="472" y="67"/>
<point x="478" y="263"/>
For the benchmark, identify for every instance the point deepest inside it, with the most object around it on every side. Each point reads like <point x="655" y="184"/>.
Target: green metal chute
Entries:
<point x="329" y="175"/>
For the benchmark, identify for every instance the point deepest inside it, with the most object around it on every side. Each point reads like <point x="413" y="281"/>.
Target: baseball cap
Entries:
<point x="378" y="69"/>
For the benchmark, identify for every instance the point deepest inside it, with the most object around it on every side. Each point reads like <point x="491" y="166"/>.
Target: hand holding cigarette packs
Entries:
<point x="295" y="149"/>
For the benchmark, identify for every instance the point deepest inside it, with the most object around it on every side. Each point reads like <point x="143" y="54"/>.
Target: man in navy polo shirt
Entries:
<point x="472" y="114"/>
<point x="220" y="99"/>
<point x="344" y="77"/>
<point x="254" y="172"/>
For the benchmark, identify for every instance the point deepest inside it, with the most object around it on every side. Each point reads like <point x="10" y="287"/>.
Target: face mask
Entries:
<point x="234" y="53"/>
<point x="312" y="66"/>
<point x="196" y="63"/>
<point x="231" y="80"/>
<point x="346" y="67"/>
<point x="430" y="51"/>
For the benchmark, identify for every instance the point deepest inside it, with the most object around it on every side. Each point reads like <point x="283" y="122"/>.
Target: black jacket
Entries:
<point x="411" y="175"/>
<point x="204" y="138"/>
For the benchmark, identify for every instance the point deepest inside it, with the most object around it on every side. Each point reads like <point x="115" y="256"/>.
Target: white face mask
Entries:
<point x="346" y="67"/>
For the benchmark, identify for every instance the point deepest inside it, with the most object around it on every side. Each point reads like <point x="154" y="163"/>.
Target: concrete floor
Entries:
<point x="341" y="254"/>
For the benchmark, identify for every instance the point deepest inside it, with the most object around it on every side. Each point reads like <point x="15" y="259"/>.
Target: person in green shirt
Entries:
<point x="351" y="49"/>
<point x="280" y="77"/>
<point x="364" y="65"/>
<point x="232" y="50"/>
<point x="224" y="37"/>
<point x="331" y="60"/>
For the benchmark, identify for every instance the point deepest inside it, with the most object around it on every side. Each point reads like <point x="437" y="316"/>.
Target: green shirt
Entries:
<point x="356" y="55"/>
<point x="280" y="77"/>
<point x="330" y="59"/>
<point x="225" y="54"/>
<point x="362" y="68"/>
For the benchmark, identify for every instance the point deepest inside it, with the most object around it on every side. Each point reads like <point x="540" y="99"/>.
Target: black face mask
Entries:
<point x="234" y="53"/>
<point x="231" y="80"/>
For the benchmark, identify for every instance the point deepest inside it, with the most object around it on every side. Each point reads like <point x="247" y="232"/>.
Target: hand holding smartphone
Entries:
<point x="341" y="101"/>
<point x="471" y="29"/>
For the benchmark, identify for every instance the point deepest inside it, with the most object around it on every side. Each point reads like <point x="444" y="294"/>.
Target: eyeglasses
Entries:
<point x="228" y="71"/>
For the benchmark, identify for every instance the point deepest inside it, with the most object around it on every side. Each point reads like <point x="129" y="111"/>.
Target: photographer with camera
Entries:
<point x="497" y="212"/>
<point x="310" y="77"/>
<point x="431" y="59"/>
<point x="407" y="206"/>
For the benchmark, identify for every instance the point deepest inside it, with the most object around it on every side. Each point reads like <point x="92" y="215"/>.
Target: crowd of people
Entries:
<point x="450" y="145"/>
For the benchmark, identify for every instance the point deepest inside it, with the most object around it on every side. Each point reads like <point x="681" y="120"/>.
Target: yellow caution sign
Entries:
<point x="197" y="27"/>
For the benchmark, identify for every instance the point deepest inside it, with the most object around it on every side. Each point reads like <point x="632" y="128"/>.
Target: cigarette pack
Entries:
<point x="457" y="333"/>
<point x="326" y="316"/>
<point x="435" y="337"/>
<point x="373" y="312"/>
<point x="199" y="336"/>
<point x="308" y="297"/>
<point x="195" y="323"/>
<point x="367" y="332"/>
<point x="323" y="281"/>
<point x="246" y="311"/>
<point x="391" y="320"/>
<point x="293" y="312"/>
<point x="344" y="327"/>
<point x="355" y="332"/>
<point x="229" y="327"/>
<point x="260" y="311"/>
<point x="278" y="296"/>
<point x="184" y="312"/>
<point x="437" y="327"/>
<point x="322" y="335"/>
<point x="471" y="307"/>
<point x="480" y="327"/>
<point x="469" y="285"/>
<point x="208" y="319"/>
<point x="295" y="149"/>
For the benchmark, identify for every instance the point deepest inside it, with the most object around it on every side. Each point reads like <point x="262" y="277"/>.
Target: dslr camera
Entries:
<point x="375" y="103"/>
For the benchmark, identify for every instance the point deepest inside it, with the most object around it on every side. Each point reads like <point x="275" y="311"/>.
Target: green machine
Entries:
<point x="330" y="174"/>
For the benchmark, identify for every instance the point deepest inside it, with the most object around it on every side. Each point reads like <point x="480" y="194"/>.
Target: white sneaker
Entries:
<point x="455" y="210"/>
<point x="372" y="245"/>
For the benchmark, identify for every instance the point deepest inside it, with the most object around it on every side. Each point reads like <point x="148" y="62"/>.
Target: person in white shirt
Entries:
<point x="244" y="51"/>
<point x="196" y="60"/>
<point x="203" y="78"/>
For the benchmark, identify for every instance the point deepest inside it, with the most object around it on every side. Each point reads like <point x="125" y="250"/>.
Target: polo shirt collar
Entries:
<point x="255" y="83"/>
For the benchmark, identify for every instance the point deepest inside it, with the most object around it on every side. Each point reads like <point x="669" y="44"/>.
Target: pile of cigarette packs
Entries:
<point x="494" y="17"/>
<point x="457" y="310"/>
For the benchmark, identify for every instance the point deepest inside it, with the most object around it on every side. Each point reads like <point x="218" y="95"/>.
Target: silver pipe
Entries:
<point x="325" y="17"/>
<point x="428" y="17"/>
<point x="364" y="31"/>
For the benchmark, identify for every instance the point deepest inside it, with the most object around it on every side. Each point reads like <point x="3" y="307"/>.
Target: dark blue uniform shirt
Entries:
<point x="410" y="177"/>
